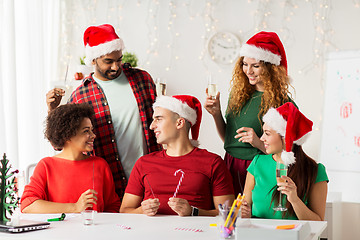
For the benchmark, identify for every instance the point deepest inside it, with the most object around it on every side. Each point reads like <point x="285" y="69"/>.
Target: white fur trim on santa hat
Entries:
<point x="301" y="140"/>
<point x="258" y="53"/>
<point x="176" y="106"/>
<point x="288" y="158"/>
<point x="274" y="119"/>
<point x="94" y="52"/>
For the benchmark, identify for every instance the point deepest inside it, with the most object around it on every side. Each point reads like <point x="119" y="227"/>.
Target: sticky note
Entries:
<point x="292" y="226"/>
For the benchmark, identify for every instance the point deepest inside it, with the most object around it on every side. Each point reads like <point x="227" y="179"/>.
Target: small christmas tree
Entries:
<point x="8" y="198"/>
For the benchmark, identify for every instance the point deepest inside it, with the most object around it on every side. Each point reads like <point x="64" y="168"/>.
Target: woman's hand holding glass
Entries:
<point x="53" y="98"/>
<point x="288" y="188"/>
<point x="212" y="105"/>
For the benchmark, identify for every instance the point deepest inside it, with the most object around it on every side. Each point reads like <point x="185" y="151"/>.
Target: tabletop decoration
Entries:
<point x="123" y="226"/>
<point x="188" y="229"/>
<point x="8" y="198"/>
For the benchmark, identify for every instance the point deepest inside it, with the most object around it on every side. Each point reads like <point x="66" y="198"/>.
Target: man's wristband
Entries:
<point x="194" y="211"/>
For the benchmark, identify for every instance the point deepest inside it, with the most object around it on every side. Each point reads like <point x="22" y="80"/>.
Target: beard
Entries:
<point x="108" y="74"/>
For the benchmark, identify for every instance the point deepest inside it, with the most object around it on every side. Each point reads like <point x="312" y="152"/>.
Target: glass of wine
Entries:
<point x="212" y="87"/>
<point x="160" y="84"/>
<point x="281" y="170"/>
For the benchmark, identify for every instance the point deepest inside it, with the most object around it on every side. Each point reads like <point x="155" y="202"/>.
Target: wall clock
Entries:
<point x="224" y="47"/>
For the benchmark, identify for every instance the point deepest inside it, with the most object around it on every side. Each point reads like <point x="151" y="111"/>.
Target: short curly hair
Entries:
<point x="63" y="122"/>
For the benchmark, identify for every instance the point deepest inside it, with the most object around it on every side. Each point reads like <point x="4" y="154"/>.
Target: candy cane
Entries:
<point x="181" y="178"/>
<point x="189" y="229"/>
<point x="124" y="226"/>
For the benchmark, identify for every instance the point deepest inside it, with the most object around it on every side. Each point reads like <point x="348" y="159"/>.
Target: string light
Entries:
<point x="210" y="23"/>
<point x="323" y="35"/>
<point x="152" y="23"/>
<point x="174" y="35"/>
<point x="321" y="45"/>
<point x="262" y="15"/>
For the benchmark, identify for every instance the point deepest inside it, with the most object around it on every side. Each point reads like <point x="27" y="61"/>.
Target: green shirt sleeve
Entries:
<point x="321" y="174"/>
<point x="252" y="166"/>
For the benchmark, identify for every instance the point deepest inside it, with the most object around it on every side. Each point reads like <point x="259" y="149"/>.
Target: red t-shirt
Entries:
<point x="205" y="176"/>
<point x="63" y="181"/>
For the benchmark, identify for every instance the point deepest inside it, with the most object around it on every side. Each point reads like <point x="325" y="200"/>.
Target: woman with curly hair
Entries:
<point x="70" y="181"/>
<point x="259" y="81"/>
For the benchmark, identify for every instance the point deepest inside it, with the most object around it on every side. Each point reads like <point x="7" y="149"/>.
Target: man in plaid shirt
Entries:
<point x="122" y="98"/>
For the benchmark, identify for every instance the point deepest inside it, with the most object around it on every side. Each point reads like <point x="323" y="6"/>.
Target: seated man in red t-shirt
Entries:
<point x="182" y="179"/>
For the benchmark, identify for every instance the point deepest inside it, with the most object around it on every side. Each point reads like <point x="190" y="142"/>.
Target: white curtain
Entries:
<point x="29" y="37"/>
<point x="39" y="39"/>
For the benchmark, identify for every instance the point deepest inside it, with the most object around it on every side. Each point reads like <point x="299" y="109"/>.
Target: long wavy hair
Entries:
<point x="276" y="87"/>
<point x="303" y="172"/>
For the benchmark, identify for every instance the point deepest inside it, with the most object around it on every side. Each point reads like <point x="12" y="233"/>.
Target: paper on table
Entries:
<point x="45" y="217"/>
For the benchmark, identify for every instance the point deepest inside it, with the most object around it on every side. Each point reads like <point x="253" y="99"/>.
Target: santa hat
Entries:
<point x="186" y="106"/>
<point x="99" y="41"/>
<point x="265" y="46"/>
<point x="290" y="123"/>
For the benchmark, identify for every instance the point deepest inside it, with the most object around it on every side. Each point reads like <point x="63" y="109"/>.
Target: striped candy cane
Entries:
<point x="123" y="226"/>
<point x="181" y="178"/>
<point x="189" y="229"/>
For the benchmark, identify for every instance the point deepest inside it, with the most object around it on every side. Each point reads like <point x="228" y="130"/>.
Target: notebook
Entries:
<point x="22" y="226"/>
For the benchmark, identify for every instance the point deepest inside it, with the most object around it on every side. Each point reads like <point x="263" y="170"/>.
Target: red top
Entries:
<point x="205" y="176"/>
<point x="105" y="144"/>
<point x="60" y="180"/>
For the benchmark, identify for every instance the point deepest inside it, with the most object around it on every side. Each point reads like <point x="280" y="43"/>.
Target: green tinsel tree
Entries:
<point x="8" y="197"/>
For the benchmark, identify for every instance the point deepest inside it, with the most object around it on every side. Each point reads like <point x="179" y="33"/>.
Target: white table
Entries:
<point x="108" y="226"/>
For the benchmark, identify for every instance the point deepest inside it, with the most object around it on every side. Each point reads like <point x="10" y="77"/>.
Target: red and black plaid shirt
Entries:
<point x="105" y="143"/>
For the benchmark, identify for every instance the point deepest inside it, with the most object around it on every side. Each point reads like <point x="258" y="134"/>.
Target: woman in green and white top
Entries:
<point x="304" y="187"/>
<point x="259" y="81"/>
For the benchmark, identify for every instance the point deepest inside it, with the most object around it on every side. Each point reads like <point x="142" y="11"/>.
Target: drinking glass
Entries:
<point x="88" y="216"/>
<point x="281" y="170"/>
<point x="160" y="84"/>
<point x="212" y="87"/>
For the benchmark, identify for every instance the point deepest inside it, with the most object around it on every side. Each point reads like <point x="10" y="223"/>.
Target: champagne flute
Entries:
<point x="89" y="214"/>
<point x="160" y="84"/>
<point x="212" y="87"/>
<point x="281" y="170"/>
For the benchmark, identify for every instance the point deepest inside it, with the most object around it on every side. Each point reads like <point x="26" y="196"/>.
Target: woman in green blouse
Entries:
<point x="259" y="81"/>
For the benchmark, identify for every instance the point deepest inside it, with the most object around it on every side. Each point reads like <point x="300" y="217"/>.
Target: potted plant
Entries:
<point x="82" y="70"/>
<point x="130" y="58"/>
